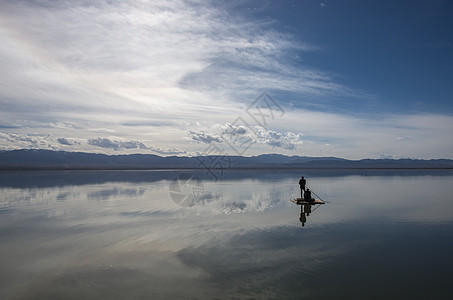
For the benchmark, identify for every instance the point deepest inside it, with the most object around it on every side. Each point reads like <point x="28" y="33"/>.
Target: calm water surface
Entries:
<point x="170" y="235"/>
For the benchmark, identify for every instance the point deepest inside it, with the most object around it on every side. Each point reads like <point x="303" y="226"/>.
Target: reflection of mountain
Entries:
<point x="45" y="159"/>
<point x="40" y="179"/>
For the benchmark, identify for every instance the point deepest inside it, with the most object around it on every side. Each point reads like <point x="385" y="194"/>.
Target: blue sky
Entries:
<point x="353" y="79"/>
<point x="400" y="52"/>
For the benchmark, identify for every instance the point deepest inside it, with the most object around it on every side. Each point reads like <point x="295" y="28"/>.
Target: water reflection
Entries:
<point x="305" y="211"/>
<point x="121" y="234"/>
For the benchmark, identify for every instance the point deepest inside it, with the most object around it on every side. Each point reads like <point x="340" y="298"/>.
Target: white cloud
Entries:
<point x="167" y="151"/>
<point x="133" y="56"/>
<point x="121" y="145"/>
<point x="286" y="140"/>
<point x="369" y="136"/>
<point x="116" y="145"/>
<point x="132" y="144"/>
<point x="203" y="137"/>
<point x="11" y="141"/>
<point x="240" y="135"/>
<point x="67" y="142"/>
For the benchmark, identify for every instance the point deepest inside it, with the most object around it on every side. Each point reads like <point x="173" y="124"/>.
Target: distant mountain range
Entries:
<point x="61" y="160"/>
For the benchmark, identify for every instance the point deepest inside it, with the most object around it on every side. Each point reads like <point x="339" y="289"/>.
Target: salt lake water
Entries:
<point x="193" y="235"/>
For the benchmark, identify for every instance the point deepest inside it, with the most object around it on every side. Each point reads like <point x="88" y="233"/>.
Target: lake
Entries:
<point x="185" y="234"/>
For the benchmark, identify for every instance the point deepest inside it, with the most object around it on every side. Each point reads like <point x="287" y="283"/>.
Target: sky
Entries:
<point x="351" y="79"/>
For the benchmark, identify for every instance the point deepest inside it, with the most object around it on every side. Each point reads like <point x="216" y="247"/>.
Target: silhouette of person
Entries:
<point x="307" y="209"/>
<point x="302" y="218"/>
<point x="307" y="195"/>
<point x="302" y="183"/>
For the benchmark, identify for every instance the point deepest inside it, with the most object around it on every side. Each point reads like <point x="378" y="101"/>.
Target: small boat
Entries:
<point x="301" y="201"/>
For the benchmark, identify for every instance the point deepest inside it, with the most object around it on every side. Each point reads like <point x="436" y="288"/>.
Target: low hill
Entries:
<point x="46" y="159"/>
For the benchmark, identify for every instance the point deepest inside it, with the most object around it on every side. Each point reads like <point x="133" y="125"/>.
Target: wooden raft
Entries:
<point x="301" y="201"/>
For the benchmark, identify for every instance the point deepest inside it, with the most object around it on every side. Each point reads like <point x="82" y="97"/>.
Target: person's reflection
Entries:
<point x="302" y="217"/>
<point x="305" y="211"/>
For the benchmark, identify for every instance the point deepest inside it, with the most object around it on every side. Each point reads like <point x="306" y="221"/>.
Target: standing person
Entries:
<point x="302" y="183"/>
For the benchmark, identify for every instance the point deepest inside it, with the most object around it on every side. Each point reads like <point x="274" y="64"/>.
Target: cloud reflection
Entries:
<point x="244" y="239"/>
